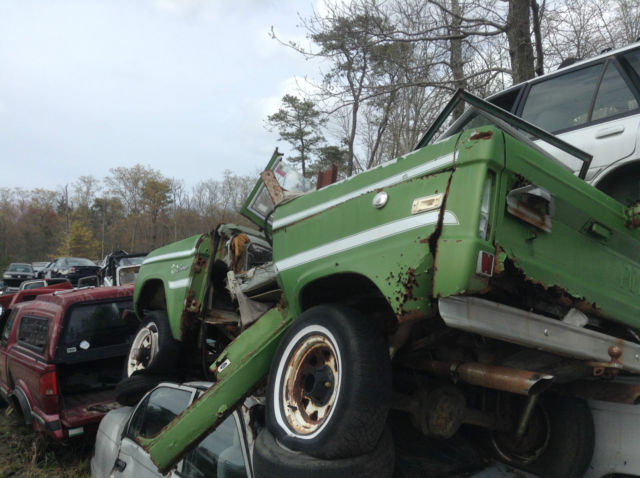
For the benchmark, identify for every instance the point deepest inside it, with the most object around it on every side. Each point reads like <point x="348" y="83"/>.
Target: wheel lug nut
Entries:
<point x="327" y="384"/>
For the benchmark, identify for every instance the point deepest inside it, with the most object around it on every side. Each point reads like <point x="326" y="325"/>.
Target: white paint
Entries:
<point x="365" y="237"/>
<point x="277" y="389"/>
<point x="180" y="284"/>
<point x="390" y="181"/>
<point x="171" y="255"/>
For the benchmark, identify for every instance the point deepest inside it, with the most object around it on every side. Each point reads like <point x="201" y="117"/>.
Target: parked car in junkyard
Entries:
<point x="225" y="453"/>
<point x="120" y="268"/>
<point x="43" y="272"/>
<point x="478" y="281"/>
<point x="62" y="354"/>
<point x="10" y="300"/>
<point x="37" y="283"/>
<point x="72" y="268"/>
<point x="38" y="266"/>
<point x="17" y="273"/>
<point x="228" y="451"/>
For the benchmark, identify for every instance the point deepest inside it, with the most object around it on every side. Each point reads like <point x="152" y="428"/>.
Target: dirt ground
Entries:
<point x="29" y="454"/>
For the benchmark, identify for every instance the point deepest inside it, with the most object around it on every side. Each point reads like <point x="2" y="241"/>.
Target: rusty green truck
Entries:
<point x="475" y="281"/>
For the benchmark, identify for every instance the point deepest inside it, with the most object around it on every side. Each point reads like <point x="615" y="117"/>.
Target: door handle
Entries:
<point x="119" y="465"/>
<point x="606" y="132"/>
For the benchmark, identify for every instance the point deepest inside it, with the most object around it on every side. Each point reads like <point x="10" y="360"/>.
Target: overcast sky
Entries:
<point x="183" y="86"/>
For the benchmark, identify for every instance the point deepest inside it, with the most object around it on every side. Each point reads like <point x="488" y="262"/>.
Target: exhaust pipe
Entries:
<point x="505" y="379"/>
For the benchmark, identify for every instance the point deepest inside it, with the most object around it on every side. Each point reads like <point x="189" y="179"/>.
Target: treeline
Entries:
<point x="135" y="209"/>
<point x="386" y="69"/>
<point x="388" y="66"/>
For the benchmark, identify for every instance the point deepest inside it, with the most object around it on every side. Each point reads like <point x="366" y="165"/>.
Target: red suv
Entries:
<point x="62" y="354"/>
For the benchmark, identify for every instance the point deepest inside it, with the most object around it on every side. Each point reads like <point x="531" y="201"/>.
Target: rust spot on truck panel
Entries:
<point x="410" y="316"/>
<point x="481" y="135"/>
<point x="406" y="283"/>
<point x="188" y="320"/>
<point x="199" y="263"/>
<point x="511" y="286"/>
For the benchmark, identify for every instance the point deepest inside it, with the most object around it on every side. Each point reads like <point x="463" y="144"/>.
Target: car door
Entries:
<point x="156" y="410"/>
<point x="7" y="325"/>
<point x="222" y="454"/>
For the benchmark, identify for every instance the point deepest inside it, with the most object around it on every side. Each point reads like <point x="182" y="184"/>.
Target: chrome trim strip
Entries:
<point x="533" y="330"/>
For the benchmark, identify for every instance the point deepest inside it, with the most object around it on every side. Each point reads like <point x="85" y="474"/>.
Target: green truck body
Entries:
<point x="484" y="214"/>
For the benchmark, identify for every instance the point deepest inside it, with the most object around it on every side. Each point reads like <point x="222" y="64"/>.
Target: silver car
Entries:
<point x="224" y="453"/>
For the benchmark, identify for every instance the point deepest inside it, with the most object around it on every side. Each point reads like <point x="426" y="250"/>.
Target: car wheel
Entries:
<point x="153" y="350"/>
<point x="329" y="384"/>
<point x="273" y="460"/>
<point x="557" y="443"/>
<point x="130" y="390"/>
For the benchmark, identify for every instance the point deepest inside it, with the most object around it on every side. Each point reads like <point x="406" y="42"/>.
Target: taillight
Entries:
<point x="485" y="208"/>
<point x="484" y="266"/>
<point x="72" y="270"/>
<point x="49" y="384"/>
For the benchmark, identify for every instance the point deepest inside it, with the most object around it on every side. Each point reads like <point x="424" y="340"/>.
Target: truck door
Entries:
<point x="7" y="325"/>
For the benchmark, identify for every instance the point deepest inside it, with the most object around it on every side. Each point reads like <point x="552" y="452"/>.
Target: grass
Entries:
<point x="30" y="454"/>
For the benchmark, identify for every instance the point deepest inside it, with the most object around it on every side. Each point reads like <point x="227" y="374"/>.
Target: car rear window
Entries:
<point x="562" y="102"/>
<point x="96" y="325"/>
<point x="75" y="261"/>
<point x="633" y="57"/>
<point x="614" y="96"/>
<point x="33" y="332"/>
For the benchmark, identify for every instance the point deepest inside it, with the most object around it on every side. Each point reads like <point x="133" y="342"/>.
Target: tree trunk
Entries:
<point x="537" y="34"/>
<point x="457" y="65"/>
<point x="519" y="37"/>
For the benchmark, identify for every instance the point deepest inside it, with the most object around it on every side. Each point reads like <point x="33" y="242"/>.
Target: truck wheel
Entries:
<point x="329" y="384"/>
<point x="558" y="441"/>
<point x="272" y="460"/>
<point x="153" y="349"/>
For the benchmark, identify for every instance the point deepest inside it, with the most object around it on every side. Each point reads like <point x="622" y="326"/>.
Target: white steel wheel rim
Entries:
<point x="143" y="349"/>
<point x="308" y="383"/>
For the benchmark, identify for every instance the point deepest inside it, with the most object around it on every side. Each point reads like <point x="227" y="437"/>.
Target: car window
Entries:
<point x="218" y="455"/>
<point x="633" y="57"/>
<point x="562" y="102"/>
<point x="614" y="96"/>
<point x="90" y="326"/>
<point x="33" y="332"/>
<point x="78" y="261"/>
<point x="159" y="407"/>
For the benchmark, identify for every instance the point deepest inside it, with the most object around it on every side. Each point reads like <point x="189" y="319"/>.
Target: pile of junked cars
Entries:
<point x="474" y="293"/>
<point x="476" y="299"/>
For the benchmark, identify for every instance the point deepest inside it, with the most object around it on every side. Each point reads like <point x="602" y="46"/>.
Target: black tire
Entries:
<point x="333" y="367"/>
<point x="153" y="350"/>
<point x="272" y="460"/>
<point x="558" y="442"/>
<point x="130" y="390"/>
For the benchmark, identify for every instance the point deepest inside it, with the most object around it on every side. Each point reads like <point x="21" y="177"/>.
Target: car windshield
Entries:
<point x="130" y="261"/>
<point x="20" y="268"/>
<point x="78" y="261"/>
